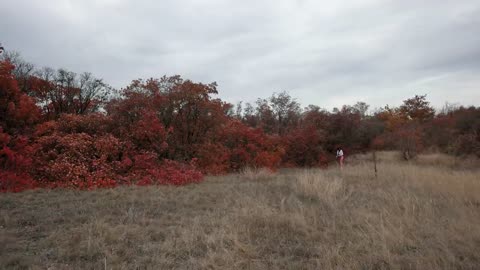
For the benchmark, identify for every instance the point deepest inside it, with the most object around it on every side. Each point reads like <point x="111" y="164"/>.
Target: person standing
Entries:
<point x="340" y="157"/>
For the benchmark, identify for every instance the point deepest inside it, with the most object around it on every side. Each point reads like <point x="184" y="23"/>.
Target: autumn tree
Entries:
<point x="250" y="147"/>
<point x="405" y="125"/>
<point x="250" y="118"/>
<point x="305" y="147"/>
<point x="361" y="108"/>
<point x="343" y="127"/>
<point x="186" y="109"/>
<point x="62" y="129"/>
<point x="23" y="70"/>
<point x="17" y="109"/>
<point x="18" y="113"/>
<point x="278" y="113"/>
<point x="286" y="111"/>
<point x="266" y="116"/>
<point x="417" y="109"/>
<point x="58" y="91"/>
<point x="466" y="140"/>
<point x="314" y="116"/>
<point x="63" y="91"/>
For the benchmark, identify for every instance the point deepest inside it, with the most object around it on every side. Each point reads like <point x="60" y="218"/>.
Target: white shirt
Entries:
<point x="339" y="153"/>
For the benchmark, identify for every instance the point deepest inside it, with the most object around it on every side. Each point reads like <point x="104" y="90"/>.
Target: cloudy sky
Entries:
<point x="326" y="53"/>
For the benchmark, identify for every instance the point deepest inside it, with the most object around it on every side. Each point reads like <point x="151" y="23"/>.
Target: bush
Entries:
<point x="171" y="173"/>
<point x="14" y="182"/>
<point x="73" y="154"/>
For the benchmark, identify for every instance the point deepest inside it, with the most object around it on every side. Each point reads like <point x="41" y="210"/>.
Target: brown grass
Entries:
<point x="249" y="173"/>
<point x="411" y="217"/>
<point x="428" y="159"/>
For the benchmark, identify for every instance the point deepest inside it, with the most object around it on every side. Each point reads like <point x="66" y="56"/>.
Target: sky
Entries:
<point x="326" y="53"/>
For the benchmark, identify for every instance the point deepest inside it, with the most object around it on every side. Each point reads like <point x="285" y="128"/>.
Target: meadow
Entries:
<point x="422" y="214"/>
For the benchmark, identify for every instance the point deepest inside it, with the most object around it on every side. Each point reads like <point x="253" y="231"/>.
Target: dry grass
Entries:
<point x="410" y="217"/>
<point x="429" y="159"/>
<point x="256" y="173"/>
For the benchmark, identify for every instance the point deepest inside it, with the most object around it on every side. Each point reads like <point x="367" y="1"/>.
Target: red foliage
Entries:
<point x="14" y="182"/>
<point x="64" y="92"/>
<point x="17" y="110"/>
<point x="149" y="134"/>
<point x="14" y="164"/>
<point x="171" y="131"/>
<point x="249" y="147"/>
<point x="304" y="148"/>
<point x="213" y="158"/>
<point x="184" y="110"/>
<point x="171" y="173"/>
<point x="237" y="146"/>
<point x="72" y="153"/>
<point x="407" y="138"/>
<point x="18" y="113"/>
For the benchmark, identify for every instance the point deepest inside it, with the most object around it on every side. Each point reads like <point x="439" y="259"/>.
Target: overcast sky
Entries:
<point x="321" y="52"/>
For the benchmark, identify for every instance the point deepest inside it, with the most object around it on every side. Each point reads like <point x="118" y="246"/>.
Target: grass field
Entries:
<point x="419" y="215"/>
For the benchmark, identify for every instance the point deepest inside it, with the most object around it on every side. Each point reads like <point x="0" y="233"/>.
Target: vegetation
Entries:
<point x="418" y="215"/>
<point x="270" y="199"/>
<point x="61" y="129"/>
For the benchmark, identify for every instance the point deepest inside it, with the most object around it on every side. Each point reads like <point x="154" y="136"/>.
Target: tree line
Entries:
<point x="63" y="129"/>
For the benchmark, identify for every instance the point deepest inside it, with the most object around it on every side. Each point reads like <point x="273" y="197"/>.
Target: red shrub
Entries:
<point x="17" y="110"/>
<point x="95" y="123"/>
<point x="465" y="145"/>
<point x="13" y="182"/>
<point x="171" y="173"/>
<point x="154" y="127"/>
<point x="213" y="158"/>
<point x="15" y="162"/>
<point x="149" y="134"/>
<point x="67" y="156"/>
<point x="249" y="147"/>
<point x="303" y="147"/>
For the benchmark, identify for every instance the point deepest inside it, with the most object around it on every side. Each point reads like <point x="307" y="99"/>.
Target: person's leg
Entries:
<point x="341" y="162"/>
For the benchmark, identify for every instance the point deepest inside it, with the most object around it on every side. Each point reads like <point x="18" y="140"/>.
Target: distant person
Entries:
<point x="340" y="157"/>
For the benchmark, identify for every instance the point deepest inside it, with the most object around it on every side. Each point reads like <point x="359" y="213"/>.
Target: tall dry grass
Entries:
<point x="413" y="216"/>
<point x="250" y="173"/>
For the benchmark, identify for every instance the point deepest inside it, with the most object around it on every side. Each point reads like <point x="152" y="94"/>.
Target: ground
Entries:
<point x="419" y="215"/>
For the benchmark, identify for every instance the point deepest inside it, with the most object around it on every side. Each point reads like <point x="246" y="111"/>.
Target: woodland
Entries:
<point x="60" y="129"/>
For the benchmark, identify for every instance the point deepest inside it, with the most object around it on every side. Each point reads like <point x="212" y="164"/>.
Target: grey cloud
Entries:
<point x="322" y="53"/>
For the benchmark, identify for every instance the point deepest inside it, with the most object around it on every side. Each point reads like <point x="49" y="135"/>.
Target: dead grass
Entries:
<point x="429" y="159"/>
<point x="256" y="173"/>
<point x="411" y="217"/>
